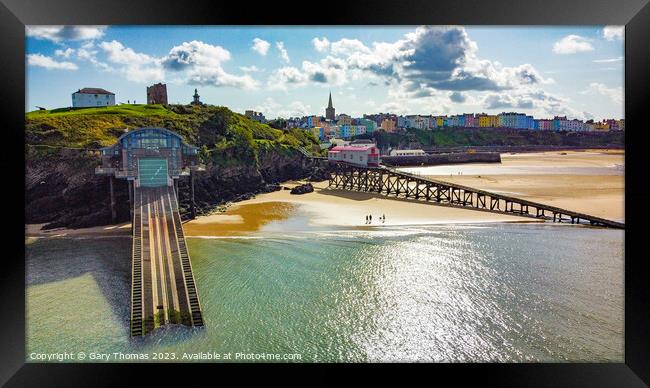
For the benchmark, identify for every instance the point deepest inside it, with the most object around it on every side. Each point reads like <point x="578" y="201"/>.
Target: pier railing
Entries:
<point x="391" y="182"/>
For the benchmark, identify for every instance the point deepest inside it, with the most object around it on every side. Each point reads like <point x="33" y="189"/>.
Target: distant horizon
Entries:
<point x="284" y="72"/>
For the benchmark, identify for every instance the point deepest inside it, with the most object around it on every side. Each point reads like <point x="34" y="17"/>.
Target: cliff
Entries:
<point x="242" y="157"/>
<point x="449" y="138"/>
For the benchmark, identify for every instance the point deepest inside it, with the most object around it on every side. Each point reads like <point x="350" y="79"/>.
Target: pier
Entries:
<point x="163" y="288"/>
<point x="398" y="184"/>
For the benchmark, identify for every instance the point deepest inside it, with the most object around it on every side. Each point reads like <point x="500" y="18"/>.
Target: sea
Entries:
<point x="500" y="292"/>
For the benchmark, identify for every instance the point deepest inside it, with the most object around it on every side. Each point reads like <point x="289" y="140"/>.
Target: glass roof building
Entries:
<point x="149" y="157"/>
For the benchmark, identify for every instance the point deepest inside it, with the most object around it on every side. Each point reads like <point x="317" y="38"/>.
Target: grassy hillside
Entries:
<point x="223" y="136"/>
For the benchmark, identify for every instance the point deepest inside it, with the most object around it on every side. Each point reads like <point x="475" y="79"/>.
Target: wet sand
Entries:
<point x="586" y="181"/>
<point x="332" y="208"/>
<point x="36" y="231"/>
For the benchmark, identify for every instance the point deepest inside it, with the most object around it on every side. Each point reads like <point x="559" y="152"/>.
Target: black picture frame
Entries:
<point x="634" y="14"/>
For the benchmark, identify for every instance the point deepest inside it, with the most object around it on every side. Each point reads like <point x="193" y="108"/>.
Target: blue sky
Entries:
<point x="288" y="71"/>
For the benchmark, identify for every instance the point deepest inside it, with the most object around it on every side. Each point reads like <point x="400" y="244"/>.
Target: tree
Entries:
<point x="278" y="123"/>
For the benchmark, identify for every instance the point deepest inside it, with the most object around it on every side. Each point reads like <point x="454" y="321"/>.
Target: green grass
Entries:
<point x="132" y="109"/>
<point x="224" y="137"/>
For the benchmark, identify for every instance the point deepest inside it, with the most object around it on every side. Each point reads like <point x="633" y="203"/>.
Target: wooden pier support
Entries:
<point x="400" y="184"/>
<point x="192" y="203"/>
<point x="131" y="204"/>
<point x="112" y="194"/>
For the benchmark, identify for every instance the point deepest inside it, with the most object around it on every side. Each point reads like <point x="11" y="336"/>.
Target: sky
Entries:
<point x="577" y="71"/>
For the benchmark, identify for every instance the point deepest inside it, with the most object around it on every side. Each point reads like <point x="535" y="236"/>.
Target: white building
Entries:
<point x="92" y="97"/>
<point x="360" y="155"/>
<point x="407" y="152"/>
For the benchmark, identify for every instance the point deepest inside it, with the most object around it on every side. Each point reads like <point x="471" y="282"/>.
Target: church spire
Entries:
<point x="329" y="111"/>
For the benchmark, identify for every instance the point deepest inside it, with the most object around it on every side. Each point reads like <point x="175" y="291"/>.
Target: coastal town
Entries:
<point x="343" y="126"/>
<point x="348" y="139"/>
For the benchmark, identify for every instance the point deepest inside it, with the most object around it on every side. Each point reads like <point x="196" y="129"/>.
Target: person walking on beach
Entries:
<point x="383" y="218"/>
<point x="370" y="218"/>
<point x="366" y="219"/>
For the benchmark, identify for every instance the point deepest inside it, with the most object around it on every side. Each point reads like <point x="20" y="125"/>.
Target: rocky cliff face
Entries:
<point x="63" y="191"/>
<point x="220" y="184"/>
<point x="242" y="157"/>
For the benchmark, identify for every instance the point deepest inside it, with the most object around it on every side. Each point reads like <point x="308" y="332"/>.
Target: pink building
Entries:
<point x="471" y="121"/>
<point x="545" y="124"/>
<point x="366" y="155"/>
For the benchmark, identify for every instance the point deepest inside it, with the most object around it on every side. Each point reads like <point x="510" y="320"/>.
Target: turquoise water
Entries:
<point x="500" y="292"/>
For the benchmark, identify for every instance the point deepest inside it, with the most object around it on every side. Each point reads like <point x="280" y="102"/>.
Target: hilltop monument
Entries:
<point x="196" y="100"/>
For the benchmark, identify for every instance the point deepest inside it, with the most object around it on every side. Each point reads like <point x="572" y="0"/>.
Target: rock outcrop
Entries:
<point x="303" y="189"/>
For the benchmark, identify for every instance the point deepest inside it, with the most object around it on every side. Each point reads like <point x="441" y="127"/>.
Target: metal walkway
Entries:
<point x="396" y="183"/>
<point x="163" y="289"/>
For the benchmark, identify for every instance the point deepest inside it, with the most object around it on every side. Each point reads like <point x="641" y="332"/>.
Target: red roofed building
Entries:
<point x="360" y="155"/>
<point x="92" y="97"/>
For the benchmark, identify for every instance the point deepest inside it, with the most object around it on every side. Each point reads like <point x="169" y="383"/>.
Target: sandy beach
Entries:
<point x="590" y="181"/>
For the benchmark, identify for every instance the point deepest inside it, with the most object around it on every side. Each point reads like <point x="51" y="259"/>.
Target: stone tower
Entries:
<point x="329" y="111"/>
<point x="157" y="94"/>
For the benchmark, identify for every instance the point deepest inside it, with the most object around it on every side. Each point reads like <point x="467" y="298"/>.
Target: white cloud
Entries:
<point x="286" y="77"/>
<point x="614" y="32"/>
<point x="328" y="71"/>
<point x="321" y="44"/>
<point x="201" y="64"/>
<point x="250" y="69"/>
<point x="260" y="46"/>
<point x="46" y="62"/>
<point x="137" y="67"/>
<point x="272" y="108"/>
<point x="609" y="60"/>
<point x="424" y="62"/>
<point x="283" y="52"/>
<point x="87" y="53"/>
<point x="64" y="53"/>
<point x="572" y="44"/>
<point x="61" y="33"/>
<point x="117" y="53"/>
<point x="615" y="94"/>
<point x="434" y="58"/>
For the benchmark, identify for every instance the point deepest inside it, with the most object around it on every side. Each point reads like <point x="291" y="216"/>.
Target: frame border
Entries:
<point x="635" y="14"/>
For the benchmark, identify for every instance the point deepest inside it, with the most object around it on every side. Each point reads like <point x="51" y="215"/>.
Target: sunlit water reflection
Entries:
<point x="445" y="293"/>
